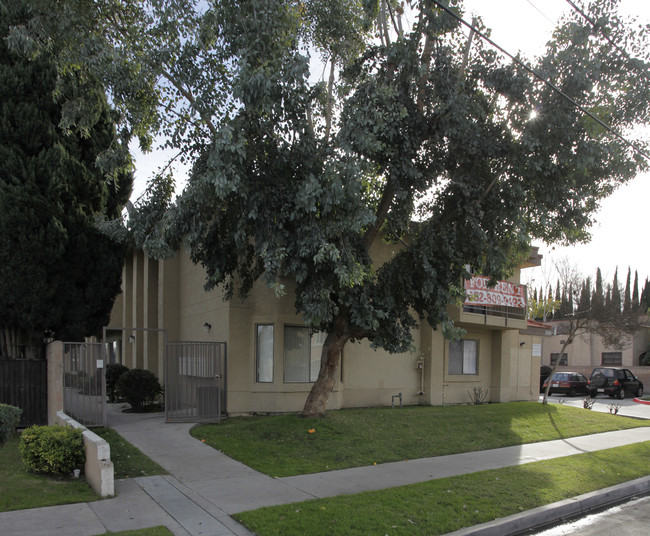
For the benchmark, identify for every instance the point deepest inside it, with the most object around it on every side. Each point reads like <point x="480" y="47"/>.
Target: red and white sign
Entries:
<point x="504" y="293"/>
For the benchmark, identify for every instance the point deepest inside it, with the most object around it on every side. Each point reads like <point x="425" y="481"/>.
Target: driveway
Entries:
<point x="626" y="407"/>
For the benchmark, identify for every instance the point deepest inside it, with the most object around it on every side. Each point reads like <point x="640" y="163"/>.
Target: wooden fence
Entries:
<point x="23" y="383"/>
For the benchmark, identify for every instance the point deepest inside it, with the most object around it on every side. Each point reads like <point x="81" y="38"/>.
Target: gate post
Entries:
<point x="54" y="355"/>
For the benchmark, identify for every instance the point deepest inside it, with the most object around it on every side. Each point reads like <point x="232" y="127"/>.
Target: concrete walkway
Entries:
<point x="205" y="487"/>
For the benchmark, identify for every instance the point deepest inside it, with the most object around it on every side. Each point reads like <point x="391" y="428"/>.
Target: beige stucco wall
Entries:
<point x="170" y="295"/>
<point x="586" y="350"/>
<point x="54" y="356"/>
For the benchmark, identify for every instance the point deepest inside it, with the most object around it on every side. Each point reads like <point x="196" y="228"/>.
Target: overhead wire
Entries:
<point x="542" y="79"/>
<point x="541" y="12"/>
<point x="597" y="27"/>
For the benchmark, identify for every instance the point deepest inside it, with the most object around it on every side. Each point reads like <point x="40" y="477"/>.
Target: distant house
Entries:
<point x="273" y="358"/>
<point x="589" y="350"/>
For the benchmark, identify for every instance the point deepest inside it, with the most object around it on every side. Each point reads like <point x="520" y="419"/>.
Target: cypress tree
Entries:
<point x="616" y="295"/>
<point x="58" y="274"/>
<point x="635" y="292"/>
<point x="585" y="296"/>
<point x="627" y="300"/>
<point x="597" y="298"/>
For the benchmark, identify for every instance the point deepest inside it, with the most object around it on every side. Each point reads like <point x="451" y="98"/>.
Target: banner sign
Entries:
<point x="504" y="293"/>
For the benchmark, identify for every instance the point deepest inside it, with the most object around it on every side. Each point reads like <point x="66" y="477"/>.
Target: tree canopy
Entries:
<point x="59" y="274"/>
<point x="421" y="137"/>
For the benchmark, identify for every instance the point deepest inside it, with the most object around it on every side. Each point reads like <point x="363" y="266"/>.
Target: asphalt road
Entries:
<point x="628" y="519"/>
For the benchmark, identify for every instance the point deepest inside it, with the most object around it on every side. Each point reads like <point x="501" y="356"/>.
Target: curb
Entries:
<point x="641" y="401"/>
<point x="558" y="512"/>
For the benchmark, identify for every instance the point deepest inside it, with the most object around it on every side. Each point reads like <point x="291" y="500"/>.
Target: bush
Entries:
<point x="139" y="388"/>
<point x="113" y="373"/>
<point x="9" y="419"/>
<point x="52" y="449"/>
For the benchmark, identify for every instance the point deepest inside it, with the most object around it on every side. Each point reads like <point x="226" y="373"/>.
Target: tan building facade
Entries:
<point x="272" y="358"/>
<point x="587" y="351"/>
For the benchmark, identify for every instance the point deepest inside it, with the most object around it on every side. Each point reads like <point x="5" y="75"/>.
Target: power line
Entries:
<point x="540" y="12"/>
<point x="541" y="79"/>
<point x="597" y="27"/>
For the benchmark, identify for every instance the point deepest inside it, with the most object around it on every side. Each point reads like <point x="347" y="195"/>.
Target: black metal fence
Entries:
<point x="23" y="383"/>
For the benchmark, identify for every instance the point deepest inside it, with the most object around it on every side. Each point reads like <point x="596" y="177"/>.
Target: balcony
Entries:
<point x="502" y="305"/>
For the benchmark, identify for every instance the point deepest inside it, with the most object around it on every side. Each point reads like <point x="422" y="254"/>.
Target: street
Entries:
<point x="628" y="519"/>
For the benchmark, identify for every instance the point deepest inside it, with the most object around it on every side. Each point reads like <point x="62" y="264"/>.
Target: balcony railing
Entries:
<point x="517" y="313"/>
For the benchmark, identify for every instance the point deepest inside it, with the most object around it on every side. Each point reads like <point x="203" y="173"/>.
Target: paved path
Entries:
<point x="205" y="487"/>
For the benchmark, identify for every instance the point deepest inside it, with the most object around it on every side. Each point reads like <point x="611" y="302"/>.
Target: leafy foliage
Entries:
<point x="9" y="419"/>
<point x="58" y="273"/>
<point x="418" y="143"/>
<point x="139" y="388"/>
<point x="52" y="449"/>
<point x="113" y="373"/>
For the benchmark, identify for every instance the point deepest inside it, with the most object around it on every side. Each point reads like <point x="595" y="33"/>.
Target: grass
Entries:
<point x="20" y="489"/>
<point x="282" y="446"/>
<point x="128" y="461"/>
<point x="449" y="504"/>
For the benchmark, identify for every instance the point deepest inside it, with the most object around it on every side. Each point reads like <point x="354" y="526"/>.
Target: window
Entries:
<point x="264" y="354"/>
<point x="612" y="358"/>
<point x="564" y="361"/>
<point x="302" y="353"/>
<point x="463" y="357"/>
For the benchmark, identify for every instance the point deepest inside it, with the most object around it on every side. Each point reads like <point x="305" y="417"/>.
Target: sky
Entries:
<point x="620" y="234"/>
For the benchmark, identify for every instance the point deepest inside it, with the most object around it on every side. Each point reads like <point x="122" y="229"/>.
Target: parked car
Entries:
<point x="614" y="382"/>
<point x="568" y="383"/>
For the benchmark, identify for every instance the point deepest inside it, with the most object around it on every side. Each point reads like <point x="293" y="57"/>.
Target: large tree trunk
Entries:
<point x="330" y="360"/>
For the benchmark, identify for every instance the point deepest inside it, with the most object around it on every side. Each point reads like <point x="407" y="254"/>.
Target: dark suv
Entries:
<point x="614" y="381"/>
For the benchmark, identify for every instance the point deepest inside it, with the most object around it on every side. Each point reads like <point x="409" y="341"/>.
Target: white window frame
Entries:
<point x="463" y="357"/>
<point x="302" y="365"/>
<point x="264" y="355"/>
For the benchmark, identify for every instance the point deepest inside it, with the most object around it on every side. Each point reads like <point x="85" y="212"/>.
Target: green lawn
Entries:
<point x="449" y="504"/>
<point x="282" y="445"/>
<point x="20" y="489"/>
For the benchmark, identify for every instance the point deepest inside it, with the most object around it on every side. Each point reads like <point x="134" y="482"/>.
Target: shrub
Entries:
<point x="139" y="388"/>
<point x="9" y="419"/>
<point x="113" y="373"/>
<point x="52" y="449"/>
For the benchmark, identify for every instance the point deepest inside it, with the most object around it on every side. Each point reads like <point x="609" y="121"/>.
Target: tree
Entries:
<point x="58" y="274"/>
<point x="422" y="140"/>
<point x="635" y="292"/>
<point x="627" y="300"/>
<point x="616" y="294"/>
<point x="598" y="296"/>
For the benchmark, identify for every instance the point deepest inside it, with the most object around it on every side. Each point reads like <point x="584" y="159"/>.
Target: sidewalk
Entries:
<point x="205" y="487"/>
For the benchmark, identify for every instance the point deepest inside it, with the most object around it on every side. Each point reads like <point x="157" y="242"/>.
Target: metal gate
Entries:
<point x="84" y="388"/>
<point x="195" y="375"/>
